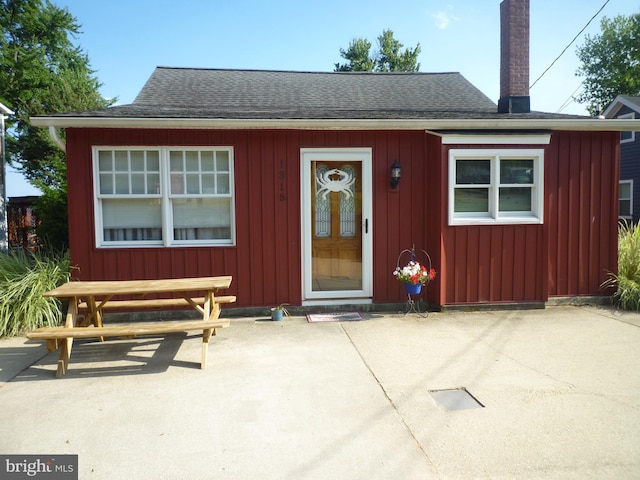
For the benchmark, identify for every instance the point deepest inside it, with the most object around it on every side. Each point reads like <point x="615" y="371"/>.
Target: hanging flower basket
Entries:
<point x="414" y="275"/>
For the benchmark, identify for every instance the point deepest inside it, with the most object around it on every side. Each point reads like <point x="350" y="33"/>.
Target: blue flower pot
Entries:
<point x="413" y="289"/>
<point x="276" y="315"/>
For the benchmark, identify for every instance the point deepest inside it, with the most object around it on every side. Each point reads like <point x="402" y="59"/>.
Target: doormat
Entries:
<point x="335" y="317"/>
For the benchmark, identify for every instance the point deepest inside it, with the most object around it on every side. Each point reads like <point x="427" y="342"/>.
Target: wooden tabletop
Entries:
<point x="138" y="287"/>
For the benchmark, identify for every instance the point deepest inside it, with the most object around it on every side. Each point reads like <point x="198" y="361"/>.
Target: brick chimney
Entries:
<point x="514" y="57"/>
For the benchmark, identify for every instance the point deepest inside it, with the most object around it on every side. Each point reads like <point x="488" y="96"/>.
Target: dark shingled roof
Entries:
<point x="260" y="95"/>
<point x="315" y="95"/>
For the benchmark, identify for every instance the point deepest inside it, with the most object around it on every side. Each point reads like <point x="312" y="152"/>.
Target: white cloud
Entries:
<point x="443" y="19"/>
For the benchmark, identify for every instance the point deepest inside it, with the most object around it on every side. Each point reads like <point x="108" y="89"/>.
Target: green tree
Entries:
<point x="358" y="57"/>
<point x="388" y="58"/>
<point x="610" y="62"/>
<point x="42" y="72"/>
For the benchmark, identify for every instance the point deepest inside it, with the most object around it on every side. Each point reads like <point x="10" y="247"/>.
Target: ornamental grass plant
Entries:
<point x="24" y="277"/>
<point x="627" y="280"/>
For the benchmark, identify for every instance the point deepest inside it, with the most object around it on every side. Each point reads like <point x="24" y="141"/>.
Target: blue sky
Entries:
<point x="126" y="39"/>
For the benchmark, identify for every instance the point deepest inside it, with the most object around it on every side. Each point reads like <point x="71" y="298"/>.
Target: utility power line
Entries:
<point x="570" y="43"/>
<point x="569" y="100"/>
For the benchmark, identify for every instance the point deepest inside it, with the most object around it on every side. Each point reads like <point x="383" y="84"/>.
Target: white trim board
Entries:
<point x="462" y="139"/>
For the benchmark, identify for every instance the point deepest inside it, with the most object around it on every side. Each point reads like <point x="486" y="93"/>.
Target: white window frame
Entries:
<point x="494" y="216"/>
<point x="632" y="138"/>
<point x="164" y="196"/>
<point x="630" y="199"/>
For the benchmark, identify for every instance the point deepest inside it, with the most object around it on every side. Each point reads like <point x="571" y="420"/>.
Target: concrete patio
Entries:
<point x="560" y="390"/>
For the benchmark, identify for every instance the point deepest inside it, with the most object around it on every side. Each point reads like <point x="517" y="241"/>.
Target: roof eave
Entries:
<point x="587" y="124"/>
<point x="617" y="104"/>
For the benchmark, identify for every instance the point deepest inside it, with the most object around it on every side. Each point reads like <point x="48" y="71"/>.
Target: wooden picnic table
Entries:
<point x="93" y="297"/>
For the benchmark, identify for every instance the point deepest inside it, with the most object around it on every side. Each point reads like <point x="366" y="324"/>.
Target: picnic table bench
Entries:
<point x="92" y="298"/>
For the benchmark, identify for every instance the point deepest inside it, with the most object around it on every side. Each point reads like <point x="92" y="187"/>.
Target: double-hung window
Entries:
<point x="496" y="186"/>
<point x="625" y="199"/>
<point x="165" y="196"/>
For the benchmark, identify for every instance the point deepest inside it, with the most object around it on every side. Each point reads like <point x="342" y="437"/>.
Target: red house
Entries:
<point x="283" y="180"/>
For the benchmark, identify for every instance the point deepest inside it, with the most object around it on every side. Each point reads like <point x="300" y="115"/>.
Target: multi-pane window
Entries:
<point x="625" y="199"/>
<point x="501" y="186"/>
<point x="164" y="196"/>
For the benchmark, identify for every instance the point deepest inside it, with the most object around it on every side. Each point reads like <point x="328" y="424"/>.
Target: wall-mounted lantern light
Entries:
<point x="396" y="173"/>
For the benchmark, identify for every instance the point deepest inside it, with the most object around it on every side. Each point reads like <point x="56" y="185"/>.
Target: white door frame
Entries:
<point x="365" y="156"/>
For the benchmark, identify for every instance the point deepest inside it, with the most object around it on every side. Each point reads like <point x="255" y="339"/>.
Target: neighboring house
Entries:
<point x="22" y="223"/>
<point x="282" y="179"/>
<point x="628" y="107"/>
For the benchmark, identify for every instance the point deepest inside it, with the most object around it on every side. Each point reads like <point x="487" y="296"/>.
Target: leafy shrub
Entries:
<point x="627" y="280"/>
<point x="24" y="277"/>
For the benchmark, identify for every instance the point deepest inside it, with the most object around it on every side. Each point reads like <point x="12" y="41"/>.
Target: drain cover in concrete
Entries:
<point x="455" y="399"/>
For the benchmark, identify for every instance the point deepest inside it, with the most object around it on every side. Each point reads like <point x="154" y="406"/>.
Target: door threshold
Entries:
<point x="338" y="301"/>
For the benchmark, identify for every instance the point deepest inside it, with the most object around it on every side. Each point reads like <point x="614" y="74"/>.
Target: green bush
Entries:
<point x="24" y="277"/>
<point x="627" y="280"/>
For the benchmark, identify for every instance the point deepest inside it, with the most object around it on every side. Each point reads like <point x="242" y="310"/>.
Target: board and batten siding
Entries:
<point x="266" y="261"/>
<point x="570" y="254"/>
<point x="582" y="211"/>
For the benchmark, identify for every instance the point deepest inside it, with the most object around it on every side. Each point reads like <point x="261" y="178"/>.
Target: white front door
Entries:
<point x="336" y="224"/>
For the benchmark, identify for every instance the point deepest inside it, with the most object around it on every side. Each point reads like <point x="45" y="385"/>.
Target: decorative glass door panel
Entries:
<point x="336" y="220"/>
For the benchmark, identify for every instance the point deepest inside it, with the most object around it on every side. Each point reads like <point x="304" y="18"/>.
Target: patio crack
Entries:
<point x="390" y="400"/>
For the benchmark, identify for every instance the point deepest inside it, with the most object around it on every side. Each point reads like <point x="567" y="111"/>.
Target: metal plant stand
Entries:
<point x="414" y="300"/>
